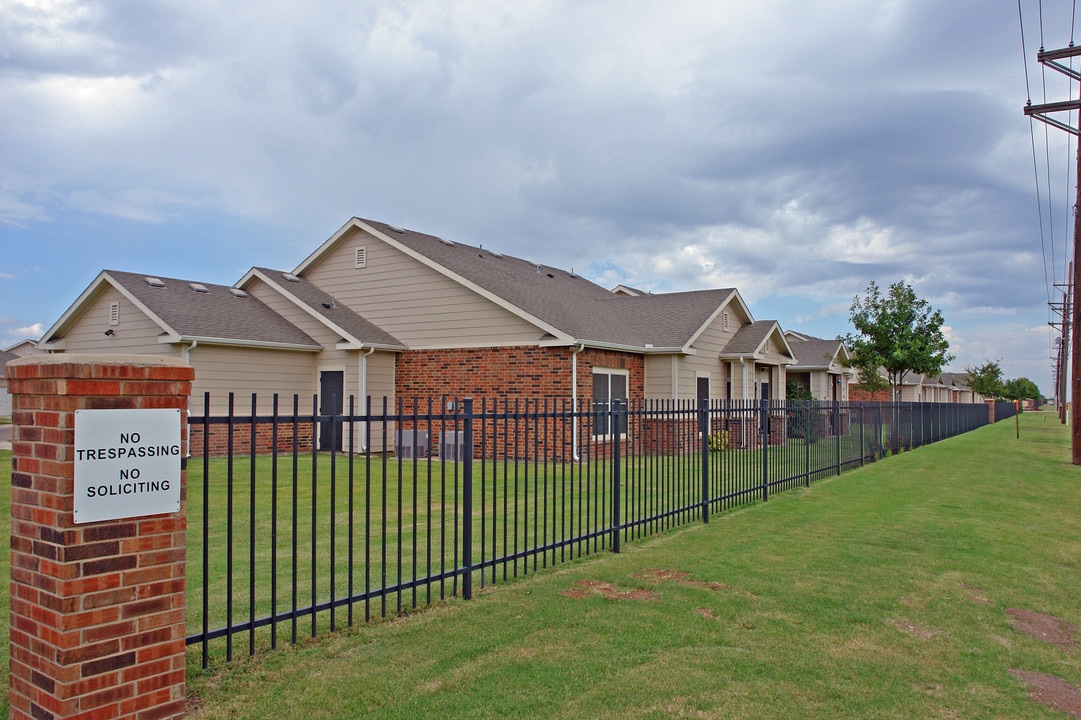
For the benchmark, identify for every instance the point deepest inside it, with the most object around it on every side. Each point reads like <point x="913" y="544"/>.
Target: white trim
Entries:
<point x="228" y="342"/>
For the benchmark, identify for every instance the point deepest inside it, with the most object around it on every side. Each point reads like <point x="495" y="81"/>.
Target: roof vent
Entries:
<point x="395" y="228"/>
<point x="493" y="253"/>
<point x="198" y="287"/>
<point x="290" y="277"/>
<point x="448" y="243"/>
<point x="237" y="292"/>
<point x="154" y="282"/>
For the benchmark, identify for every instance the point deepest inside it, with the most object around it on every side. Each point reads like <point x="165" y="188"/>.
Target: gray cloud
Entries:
<point x="794" y="149"/>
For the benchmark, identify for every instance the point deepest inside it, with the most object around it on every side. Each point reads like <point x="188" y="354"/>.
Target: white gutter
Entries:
<point x="187" y="427"/>
<point x="168" y="340"/>
<point x="363" y="392"/>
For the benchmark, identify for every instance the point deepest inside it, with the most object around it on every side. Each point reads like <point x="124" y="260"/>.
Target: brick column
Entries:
<point x="97" y="609"/>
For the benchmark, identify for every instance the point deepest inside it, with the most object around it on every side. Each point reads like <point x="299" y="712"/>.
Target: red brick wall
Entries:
<point x="508" y="374"/>
<point x="264" y="438"/>
<point x="97" y="610"/>
<point x="858" y="394"/>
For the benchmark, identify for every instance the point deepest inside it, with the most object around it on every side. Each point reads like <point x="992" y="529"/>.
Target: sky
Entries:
<point x="793" y="149"/>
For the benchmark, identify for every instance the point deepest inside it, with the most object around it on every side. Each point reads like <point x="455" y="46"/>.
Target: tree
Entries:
<point x="898" y="331"/>
<point x="1021" y="389"/>
<point x="986" y="379"/>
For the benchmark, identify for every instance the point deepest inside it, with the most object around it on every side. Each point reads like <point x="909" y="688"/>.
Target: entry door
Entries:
<point x="331" y="402"/>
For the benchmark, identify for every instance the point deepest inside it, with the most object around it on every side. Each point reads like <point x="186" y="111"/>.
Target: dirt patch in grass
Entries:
<point x="680" y="577"/>
<point x="923" y="633"/>
<point x="1054" y="692"/>
<point x="1048" y="628"/>
<point x="978" y="595"/>
<point x="609" y="591"/>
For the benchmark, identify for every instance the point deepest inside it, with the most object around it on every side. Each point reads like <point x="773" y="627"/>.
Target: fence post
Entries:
<point x="808" y="420"/>
<point x="614" y="426"/>
<point x="764" y="413"/>
<point x="703" y="433"/>
<point x="863" y="447"/>
<point x="467" y="500"/>
<point x="837" y="431"/>
<point x="97" y="607"/>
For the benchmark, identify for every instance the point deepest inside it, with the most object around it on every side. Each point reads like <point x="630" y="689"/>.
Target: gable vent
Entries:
<point x="198" y="287"/>
<point x="360" y="259"/>
<point x="114" y="313"/>
<point x="290" y="277"/>
<point x="237" y="292"/>
<point x="154" y="282"/>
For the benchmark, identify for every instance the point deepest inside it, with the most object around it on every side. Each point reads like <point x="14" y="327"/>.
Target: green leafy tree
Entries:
<point x="1021" y="389"/>
<point x="793" y="391"/>
<point x="897" y="331"/>
<point x="986" y="379"/>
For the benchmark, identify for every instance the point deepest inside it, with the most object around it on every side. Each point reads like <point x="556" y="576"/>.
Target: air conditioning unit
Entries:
<point x="452" y="445"/>
<point x="411" y="444"/>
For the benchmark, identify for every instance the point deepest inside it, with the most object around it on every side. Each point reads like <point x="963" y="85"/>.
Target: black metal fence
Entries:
<point x="287" y="539"/>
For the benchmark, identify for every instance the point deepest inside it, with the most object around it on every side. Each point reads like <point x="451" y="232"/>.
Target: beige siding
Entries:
<point x="136" y="333"/>
<point x="416" y="304"/>
<point x="709" y="345"/>
<point x="381" y="378"/>
<point x="243" y="371"/>
<point x="658" y="376"/>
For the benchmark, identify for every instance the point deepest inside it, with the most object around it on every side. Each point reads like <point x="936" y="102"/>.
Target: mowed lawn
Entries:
<point x="887" y="592"/>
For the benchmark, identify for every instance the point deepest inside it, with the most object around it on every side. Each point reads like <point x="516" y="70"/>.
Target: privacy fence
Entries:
<point x="296" y="526"/>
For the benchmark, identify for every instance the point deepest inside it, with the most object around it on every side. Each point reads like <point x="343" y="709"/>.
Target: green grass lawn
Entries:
<point x="378" y="522"/>
<point x="881" y="593"/>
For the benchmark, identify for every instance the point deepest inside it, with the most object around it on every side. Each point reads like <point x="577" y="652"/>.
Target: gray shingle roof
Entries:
<point x="214" y="315"/>
<point x="814" y="353"/>
<point x="324" y="305"/>
<point x="749" y="338"/>
<point x="568" y="302"/>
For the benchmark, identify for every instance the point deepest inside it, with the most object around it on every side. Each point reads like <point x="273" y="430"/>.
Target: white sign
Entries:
<point x="127" y="463"/>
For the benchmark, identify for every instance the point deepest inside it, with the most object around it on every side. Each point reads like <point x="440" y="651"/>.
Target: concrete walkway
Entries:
<point x="5" y="437"/>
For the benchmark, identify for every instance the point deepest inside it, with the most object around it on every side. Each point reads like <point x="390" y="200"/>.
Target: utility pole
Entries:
<point x="1064" y="346"/>
<point x="1043" y="113"/>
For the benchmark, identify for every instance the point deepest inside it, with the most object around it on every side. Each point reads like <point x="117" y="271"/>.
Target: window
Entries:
<point x="608" y="385"/>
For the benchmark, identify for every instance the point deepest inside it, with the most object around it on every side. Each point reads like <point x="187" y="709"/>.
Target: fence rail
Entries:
<point x="295" y="539"/>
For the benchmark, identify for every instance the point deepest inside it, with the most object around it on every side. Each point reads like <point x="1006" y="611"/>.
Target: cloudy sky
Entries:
<point x="795" y="149"/>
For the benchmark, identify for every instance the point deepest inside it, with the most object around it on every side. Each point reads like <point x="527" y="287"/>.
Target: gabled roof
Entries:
<point x="355" y="331"/>
<point x="562" y="303"/>
<point x="750" y="341"/>
<point x="5" y="357"/>
<point x="186" y="313"/>
<point x="814" y="353"/>
<point x="955" y="380"/>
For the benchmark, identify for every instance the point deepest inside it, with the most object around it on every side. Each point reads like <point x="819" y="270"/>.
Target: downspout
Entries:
<point x="743" y="377"/>
<point x="362" y="384"/>
<point x="574" y="400"/>
<point x="186" y="354"/>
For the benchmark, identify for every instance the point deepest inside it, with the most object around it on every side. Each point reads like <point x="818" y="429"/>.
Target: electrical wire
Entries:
<point x="1035" y="162"/>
